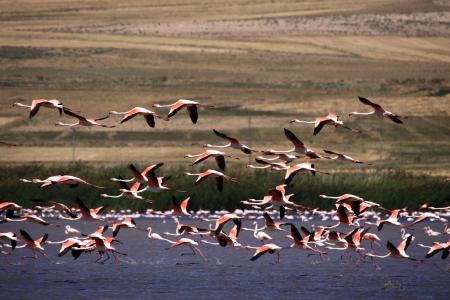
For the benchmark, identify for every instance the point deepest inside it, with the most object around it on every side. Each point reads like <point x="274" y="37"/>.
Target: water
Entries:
<point x="150" y="271"/>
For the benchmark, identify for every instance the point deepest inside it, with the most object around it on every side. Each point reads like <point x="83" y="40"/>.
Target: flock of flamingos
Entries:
<point x="355" y="216"/>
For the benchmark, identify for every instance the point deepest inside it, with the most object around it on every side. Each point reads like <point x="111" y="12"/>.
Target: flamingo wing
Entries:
<point x="370" y="103"/>
<point x="150" y="119"/>
<point x="294" y="139"/>
<point x="224" y="136"/>
<point x="193" y="113"/>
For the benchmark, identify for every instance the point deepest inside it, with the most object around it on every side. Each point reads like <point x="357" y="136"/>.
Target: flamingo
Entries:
<point x="7" y="205"/>
<point x="343" y="197"/>
<point x="219" y="157"/>
<point x="426" y="215"/>
<point x="391" y="220"/>
<point x="192" y="107"/>
<point x="302" y="168"/>
<point x="36" y="104"/>
<point x="89" y="214"/>
<point x="183" y="241"/>
<point x="126" y="222"/>
<point x="68" y="244"/>
<point x="346" y="217"/>
<point x="220" y="223"/>
<point x="271" y="225"/>
<point x="396" y="252"/>
<point x="299" y="147"/>
<point x="379" y="111"/>
<point x="436" y="248"/>
<point x="82" y="121"/>
<point x="267" y="248"/>
<point x="33" y="245"/>
<point x="220" y="177"/>
<point x="276" y="166"/>
<point x="229" y="239"/>
<point x="183" y="229"/>
<point x="8" y="144"/>
<point x="233" y="143"/>
<point x="300" y="242"/>
<point x="320" y="122"/>
<point x="148" y="177"/>
<point x="258" y="233"/>
<point x="180" y="209"/>
<point x="70" y="180"/>
<point x="284" y="157"/>
<point x="27" y="217"/>
<point x="9" y="237"/>
<point x="128" y="192"/>
<point x="72" y="232"/>
<point x="148" y="115"/>
<point x="63" y="208"/>
<point x="342" y="157"/>
<point x="353" y="240"/>
<point x="372" y="238"/>
<point x="103" y="245"/>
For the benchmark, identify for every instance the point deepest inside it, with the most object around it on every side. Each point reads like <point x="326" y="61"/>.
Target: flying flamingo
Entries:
<point x="183" y="241"/>
<point x="305" y="243"/>
<point x="258" y="233"/>
<point x="378" y="110"/>
<point x="128" y="192"/>
<point x="346" y="217"/>
<point x="233" y="143"/>
<point x="218" y="156"/>
<point x="426" y="215"/>
<point x="284" y="157"/>
<point x="148" y="115"/>
<point x="320" y="122"/>
<point x="9" y="237"/>
<point x="180" y="209"/>
<point x="26" y="217"/>
<point x="343" y="197"/>
<point x="82" y="121"/>
<point x="276" y="166"/>
<point x="300" y="168"/>
<point x="89" y="214"/>
<point x="68" y="244"/>
<point x="220" y="223"/>
<point x="396" y="252"/>
<point x="229" y="239"/>
<point x="391" y="220"/>
<point x="436" y="248"/>
<point x="126" y="222"/>
<point x="38" y="103"/>
<point x="299" y="147"/>
<point x="192" y="107"/>
<point x="220" y="177"/>
<point x="70" y="180"/>
<point x="271" y="225"/>
<point x="8" y="144"/>
<point x="267" y="248"/>
<point x="7" y="205"/>
<point x="153" y="183"/>
<point x="341" y="157"/>
<point x="33" y="245"/>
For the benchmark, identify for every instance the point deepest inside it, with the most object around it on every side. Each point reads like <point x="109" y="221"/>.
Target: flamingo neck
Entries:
<point x="21" y="105"/>
<point x="355" y="113"/>
<point x="67" y="124"/>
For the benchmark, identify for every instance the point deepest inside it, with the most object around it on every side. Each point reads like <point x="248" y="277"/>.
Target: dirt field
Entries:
<point x="261" y="63"/>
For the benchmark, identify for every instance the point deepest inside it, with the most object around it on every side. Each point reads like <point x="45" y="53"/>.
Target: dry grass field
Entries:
<point x="260" y="62"/>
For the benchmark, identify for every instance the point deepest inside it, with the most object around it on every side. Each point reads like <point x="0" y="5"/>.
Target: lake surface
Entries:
<point x="151" y="272"/>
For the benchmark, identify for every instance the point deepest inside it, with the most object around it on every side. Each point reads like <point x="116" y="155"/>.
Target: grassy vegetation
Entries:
<point x="389" y="188"/>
